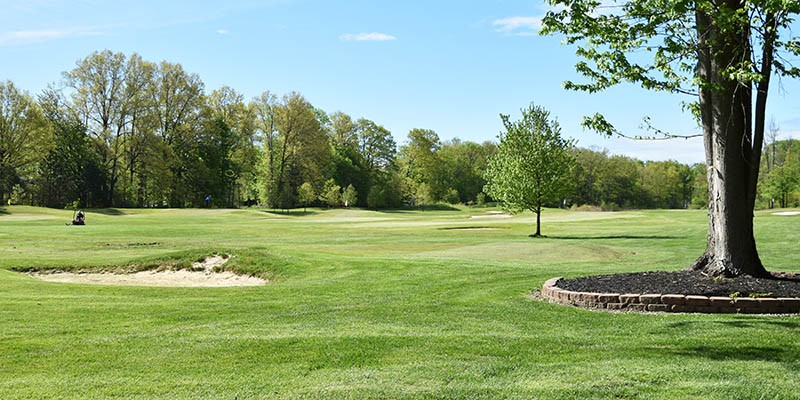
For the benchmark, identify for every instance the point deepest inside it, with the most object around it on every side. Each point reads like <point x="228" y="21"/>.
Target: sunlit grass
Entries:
<point x="367" y="304"/>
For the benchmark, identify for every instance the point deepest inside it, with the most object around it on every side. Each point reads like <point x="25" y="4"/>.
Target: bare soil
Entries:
<point x="686" y="283"/>
<point x="787" y="213"/>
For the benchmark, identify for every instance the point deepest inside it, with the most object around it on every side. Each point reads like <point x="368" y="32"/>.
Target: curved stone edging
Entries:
<point x="669" y="302"/>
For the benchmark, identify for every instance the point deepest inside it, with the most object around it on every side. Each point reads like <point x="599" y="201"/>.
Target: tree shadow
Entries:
<point x="3" y="211"/>
<point x="781" y="354"/>
<point x="747" y="322"/>
<point x="106" y="211"/>
<point x="615" y="237"/>
<point x="464" y="228"/>
<point x="289" y="213"/>
<point x="408" y="209"/>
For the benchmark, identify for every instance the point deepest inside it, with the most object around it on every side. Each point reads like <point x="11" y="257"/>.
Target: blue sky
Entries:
<point x="450" y="66"/>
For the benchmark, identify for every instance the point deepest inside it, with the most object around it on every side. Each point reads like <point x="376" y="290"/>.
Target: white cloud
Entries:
<point x="372" y="37"/>
<point x="523" y="26"/>
<point x="38" y="36"/>
<point x="223" y="31"/>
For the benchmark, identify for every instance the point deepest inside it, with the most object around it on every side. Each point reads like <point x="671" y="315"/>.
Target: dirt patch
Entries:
<point x="491" y="216"/>
<point x="685" y="283"/>
<point x="787" y="213"/>
<point x="201" y="274"/>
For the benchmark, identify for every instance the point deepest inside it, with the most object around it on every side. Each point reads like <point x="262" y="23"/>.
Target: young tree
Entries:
<point x="721" y="52"/>
<point x="306" y="195"/>
<point x="532" y="165"/>
<point x="350" y="196"/>
<point x="331" y="194"/>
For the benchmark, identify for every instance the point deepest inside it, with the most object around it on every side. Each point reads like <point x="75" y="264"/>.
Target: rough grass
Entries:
<point x="370" y="304"/>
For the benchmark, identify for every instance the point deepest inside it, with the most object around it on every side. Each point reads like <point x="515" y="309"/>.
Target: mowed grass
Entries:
<point x="367" y="304"/>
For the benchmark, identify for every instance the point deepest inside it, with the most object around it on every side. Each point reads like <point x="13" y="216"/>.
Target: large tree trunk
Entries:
<point x="733" y="152"/>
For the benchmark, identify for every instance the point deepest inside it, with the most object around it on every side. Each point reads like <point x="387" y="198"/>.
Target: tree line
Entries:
<point x="120" y="131"/>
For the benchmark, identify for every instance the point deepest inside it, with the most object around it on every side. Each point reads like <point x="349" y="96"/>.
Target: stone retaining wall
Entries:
<point x="670" y="302"/>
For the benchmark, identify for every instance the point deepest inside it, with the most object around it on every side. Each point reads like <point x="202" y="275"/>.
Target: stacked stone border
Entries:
<point x="669" y="302"/>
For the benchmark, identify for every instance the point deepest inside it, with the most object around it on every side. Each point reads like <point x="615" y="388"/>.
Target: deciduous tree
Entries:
<point x="306" y="195"/>
<point x="350" y="196"/>
<point x="23" y="134"/>
<point x="331" y="193"/>
<point x="532" y="164"/>
<point x="724" y="54"/>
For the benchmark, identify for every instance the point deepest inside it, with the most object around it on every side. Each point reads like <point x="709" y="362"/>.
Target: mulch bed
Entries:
<point x="686" y="283"/>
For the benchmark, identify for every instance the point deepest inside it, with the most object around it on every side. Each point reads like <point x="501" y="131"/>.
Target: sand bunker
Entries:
<point x="787" y="213"/>
<point x="201" y="275"/>
<point x="491" y="216"/>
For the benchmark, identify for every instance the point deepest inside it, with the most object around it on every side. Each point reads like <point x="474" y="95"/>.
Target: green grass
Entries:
<point x="368" y="304"/>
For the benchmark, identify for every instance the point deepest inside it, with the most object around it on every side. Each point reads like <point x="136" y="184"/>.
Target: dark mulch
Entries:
<point x="685" y="282"/>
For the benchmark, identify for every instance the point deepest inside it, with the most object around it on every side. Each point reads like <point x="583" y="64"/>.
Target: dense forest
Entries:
<point x="119" y="131"/>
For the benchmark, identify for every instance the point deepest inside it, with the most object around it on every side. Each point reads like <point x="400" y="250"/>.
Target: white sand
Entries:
<point x="180" y="278"/>
<point x="787" y="213"/>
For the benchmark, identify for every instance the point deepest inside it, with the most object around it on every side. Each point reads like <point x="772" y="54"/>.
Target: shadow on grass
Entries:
<point x="615" y="237"/>
<point x="3" y="211"/>
<point x="466" y="228"/>
<point x="290" y="213"/>
<point x="740" y="323"/>
<point x="432" y="207"/>
<point x="106" y="211"/>
<point x="781" y="354"/>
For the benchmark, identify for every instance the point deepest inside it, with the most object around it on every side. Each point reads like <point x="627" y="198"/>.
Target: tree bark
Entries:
<point x="538" y="212"/>
<point x="726" y="118"/>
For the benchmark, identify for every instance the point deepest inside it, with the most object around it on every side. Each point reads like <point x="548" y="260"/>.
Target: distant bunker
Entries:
<point x="201" y="274"/>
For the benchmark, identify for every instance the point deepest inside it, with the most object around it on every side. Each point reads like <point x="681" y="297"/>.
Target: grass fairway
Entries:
<point x="369" y="304"/>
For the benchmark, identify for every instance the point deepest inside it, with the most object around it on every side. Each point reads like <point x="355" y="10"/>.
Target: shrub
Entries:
<point x="480" y="199"/>
<point x="452" y="196"/>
